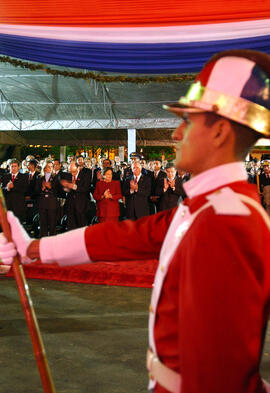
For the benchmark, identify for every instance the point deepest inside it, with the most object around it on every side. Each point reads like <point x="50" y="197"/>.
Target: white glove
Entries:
<point x="7" y="250"/>
<point x="20" y="244"/>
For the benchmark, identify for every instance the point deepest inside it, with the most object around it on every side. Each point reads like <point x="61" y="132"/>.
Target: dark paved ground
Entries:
<point x="95" y="338"/>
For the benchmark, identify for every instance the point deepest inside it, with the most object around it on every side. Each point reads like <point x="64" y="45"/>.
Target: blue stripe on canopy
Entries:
<point x="163" y="58"/>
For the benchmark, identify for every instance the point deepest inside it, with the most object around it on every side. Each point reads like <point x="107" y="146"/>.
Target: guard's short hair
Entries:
<point x="245" y="137"/>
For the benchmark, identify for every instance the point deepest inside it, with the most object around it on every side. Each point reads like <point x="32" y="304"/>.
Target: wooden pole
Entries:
<point x="258" y="184"/>
<point x="28" y="309"/>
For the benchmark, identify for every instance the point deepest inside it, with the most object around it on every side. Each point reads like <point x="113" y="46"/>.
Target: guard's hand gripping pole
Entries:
<point x="28" y="309"/>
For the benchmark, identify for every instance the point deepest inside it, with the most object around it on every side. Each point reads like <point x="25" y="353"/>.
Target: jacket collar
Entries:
<point x="214" y="178"/>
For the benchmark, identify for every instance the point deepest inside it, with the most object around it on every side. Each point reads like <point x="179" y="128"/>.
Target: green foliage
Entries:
<point x="40" y="151"/>
<point x="149" y="152"/>
<point x="152" y="152"/>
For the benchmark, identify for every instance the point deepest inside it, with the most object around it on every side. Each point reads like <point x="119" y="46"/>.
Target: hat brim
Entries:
<point x="180" y="109"/>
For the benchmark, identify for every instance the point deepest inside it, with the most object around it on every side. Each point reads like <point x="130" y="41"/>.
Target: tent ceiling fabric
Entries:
<point x="35" y="101"/>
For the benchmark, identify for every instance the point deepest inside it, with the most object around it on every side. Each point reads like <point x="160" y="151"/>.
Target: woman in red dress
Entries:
<point x="107" y="193"/>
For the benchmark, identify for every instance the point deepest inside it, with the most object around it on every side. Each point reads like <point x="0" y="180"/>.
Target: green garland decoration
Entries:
<point x="97" y="77"/>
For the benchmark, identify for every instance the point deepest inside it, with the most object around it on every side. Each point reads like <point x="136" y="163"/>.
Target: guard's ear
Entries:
<point x="222" y="133"/>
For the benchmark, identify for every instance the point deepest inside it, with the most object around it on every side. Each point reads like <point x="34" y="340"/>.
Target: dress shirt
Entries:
<point x="14" y="175"/>
<point x="47" y="176"/>
<point x="74" y="179"/>
<point x="136" y="180"/>
<point x="31" y="175"/>
<point x="156" y="174"/>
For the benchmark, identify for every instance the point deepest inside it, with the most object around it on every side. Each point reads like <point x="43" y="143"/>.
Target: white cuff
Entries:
<point x="66" y="249"/>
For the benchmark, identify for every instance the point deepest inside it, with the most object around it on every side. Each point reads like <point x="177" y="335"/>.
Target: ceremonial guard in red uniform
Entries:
<point x="211" y="296"/>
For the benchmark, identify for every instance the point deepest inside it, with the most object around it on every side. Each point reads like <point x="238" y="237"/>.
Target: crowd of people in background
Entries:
<point x="259" y="174"/>
<point x="49" y="196"/>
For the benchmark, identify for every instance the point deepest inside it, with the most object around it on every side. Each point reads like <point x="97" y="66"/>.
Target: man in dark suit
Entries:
<point x="263" y="184"/>
<point x="87" y="173"/>
<point x="145" y="171"/>
<point x="61" y="194"/>
<point x="184" y="176"/>
<point x="32" y="177"/>
<point x="96" y="175"/>
<point x="156" y="176"/>
<point x="136" y="191"/>
<point x="77" y="188"/>
<point x="158" y="173"/>
<point x="31" y="195"/>
<point x="264" y="177"/>
<point x="15" y="185"/>
<point x="47" y="188"/>
<point x="81" y="165"/>
<point x="169" y="189"/>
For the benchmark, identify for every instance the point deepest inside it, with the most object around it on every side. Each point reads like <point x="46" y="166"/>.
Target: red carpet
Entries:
<point x="129" y="273"/>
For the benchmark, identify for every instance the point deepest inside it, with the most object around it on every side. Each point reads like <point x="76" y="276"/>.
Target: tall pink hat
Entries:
<point x="234" y="84"/>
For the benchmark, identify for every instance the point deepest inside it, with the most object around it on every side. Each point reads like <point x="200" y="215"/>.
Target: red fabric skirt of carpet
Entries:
<point x="127" y="273"/>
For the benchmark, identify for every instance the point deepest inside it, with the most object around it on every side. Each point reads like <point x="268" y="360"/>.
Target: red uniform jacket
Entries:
<point x="215" y="299"/>
<point x="108" y="207"/>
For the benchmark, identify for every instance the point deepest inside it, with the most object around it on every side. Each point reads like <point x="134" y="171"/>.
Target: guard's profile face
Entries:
<point x="192" y="143"/>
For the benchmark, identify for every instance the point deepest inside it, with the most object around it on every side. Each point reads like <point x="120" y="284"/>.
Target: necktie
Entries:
<point x="13" y="178"/>
<point x="73" y="179"/>
<point x="30" y="177"/>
